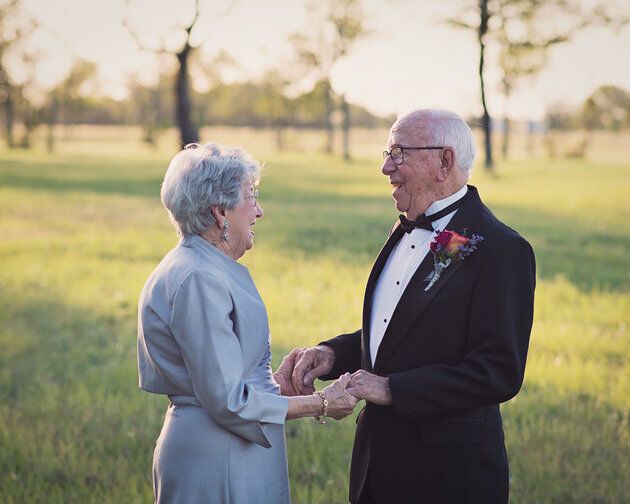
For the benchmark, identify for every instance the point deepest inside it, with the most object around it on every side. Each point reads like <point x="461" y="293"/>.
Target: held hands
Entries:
<point x="308" y="364"/>
<point x="345" y="393"/>
<point x="282" y="376"/>
<point x="302" y="366"/>
<point x="371" y="387"/>
<point x="340" y="402"/>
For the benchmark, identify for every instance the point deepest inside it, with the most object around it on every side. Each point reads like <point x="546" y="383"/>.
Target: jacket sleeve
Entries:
<point x="347" y="348"/>
<point x="211" y="351"/>
<point x="500" y="321"/>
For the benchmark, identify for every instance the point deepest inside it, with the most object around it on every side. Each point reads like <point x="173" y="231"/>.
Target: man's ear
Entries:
<point x="219" y="215"/>
<point x="447" y="161"/>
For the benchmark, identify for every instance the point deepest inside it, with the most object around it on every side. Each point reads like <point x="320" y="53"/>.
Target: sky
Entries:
<point x="411" y="58"/>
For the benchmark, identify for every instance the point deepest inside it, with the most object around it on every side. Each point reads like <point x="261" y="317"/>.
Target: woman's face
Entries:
<point x="241" y="220"/>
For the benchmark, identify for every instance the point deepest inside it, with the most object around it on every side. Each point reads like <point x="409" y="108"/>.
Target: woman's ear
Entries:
<point x="219" y="215"/>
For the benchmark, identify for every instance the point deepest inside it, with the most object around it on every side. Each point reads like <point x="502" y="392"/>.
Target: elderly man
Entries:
<point x="447" y="316"/>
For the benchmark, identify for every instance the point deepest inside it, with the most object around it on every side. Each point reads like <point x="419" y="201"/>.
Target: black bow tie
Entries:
<point x="421" y="222"/>
<point x="424" y="221"/>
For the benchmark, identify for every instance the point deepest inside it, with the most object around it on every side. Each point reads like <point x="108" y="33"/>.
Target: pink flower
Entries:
<point x="448" y="247"/>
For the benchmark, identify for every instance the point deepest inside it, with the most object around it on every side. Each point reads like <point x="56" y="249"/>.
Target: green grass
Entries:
<point x="82" y="229"/>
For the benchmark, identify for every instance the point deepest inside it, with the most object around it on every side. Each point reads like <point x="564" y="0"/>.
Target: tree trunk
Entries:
<point x="483" y="29"/>
<point x="530" y="146"/>
<point x="279" y="135"/>
<point x="9" y="117"/>
<point x="345" y="109"/>
<point x="187" y="129"/>
<point x="507" y="125"/>
<point x="328" y="106"/>
<point x="26" y="136"/>
<point x="505" y="145"/>
<point x="51" y="121"/>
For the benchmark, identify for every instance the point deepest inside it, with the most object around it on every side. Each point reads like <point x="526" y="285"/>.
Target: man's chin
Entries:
<point x="399" y="206"/>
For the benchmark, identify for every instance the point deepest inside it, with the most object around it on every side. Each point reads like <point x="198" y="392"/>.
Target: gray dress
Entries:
<point x="203" y="340"/>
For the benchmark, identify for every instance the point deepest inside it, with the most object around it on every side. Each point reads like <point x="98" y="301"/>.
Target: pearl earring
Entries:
<point x="226" y="234"/>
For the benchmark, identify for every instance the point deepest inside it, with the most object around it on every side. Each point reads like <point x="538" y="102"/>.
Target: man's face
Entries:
<point x="414" y="182"/>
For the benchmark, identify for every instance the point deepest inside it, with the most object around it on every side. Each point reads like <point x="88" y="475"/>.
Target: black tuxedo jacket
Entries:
<point x="452" y="354"/>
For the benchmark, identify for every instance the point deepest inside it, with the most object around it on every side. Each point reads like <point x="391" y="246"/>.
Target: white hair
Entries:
<point x="202" y="176"/>
<point x="446" y="128"/>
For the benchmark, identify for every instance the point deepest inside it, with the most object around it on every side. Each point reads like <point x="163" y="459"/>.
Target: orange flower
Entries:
<point x="456" y="241"/>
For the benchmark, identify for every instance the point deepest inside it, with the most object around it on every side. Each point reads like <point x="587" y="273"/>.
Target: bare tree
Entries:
<point x="341" y="25"/>
<point x="523" y="37"/>
<point x="481" y="28"/>
<point x="188" y="130"/>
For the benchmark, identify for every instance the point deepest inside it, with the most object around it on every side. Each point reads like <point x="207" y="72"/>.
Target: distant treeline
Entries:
<point x="607" y="108"/>
<point x="237" y="104"/>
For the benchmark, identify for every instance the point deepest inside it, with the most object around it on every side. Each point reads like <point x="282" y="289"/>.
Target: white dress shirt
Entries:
<point x="402" y="263"/>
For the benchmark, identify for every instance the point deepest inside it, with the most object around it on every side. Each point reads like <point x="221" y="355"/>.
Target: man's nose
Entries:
<point x="389" y="166"/>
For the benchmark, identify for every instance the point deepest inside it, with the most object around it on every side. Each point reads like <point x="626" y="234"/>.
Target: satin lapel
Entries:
<point x="379" y="264"/>
<point x="415" y="299"/>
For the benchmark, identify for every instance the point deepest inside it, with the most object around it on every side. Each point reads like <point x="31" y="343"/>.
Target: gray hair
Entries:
<point x="202" y="176"/>
<point x="449" y="129"/>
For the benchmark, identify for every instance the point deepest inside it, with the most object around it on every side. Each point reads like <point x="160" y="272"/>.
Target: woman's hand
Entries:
<point x="340" y="402"/>
<point x="282" y="376"/>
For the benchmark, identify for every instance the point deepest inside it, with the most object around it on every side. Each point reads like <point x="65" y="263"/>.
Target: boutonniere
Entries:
<point x="448" y="247"/>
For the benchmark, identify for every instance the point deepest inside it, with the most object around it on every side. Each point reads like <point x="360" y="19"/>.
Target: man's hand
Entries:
<point x="371" y="387"/>
<point x="284" y="372"/>
<point x="340" y="402"/>
<point x="311" y="363"/>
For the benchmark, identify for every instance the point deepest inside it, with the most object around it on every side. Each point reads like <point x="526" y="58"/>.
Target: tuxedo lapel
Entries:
<point x="379" y="264"/>
<point x="415" y="299"/>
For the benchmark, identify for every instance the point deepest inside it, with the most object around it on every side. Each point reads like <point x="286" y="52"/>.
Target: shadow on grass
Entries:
<point x="47" y="343"/>
<point x="349" y="228"/>
<point x="566" y="447"/>
<point x="75" y="427"/>
<point x="305" y="212"/>
<point x="591" y="259"/>
<point x="90" y="176"/>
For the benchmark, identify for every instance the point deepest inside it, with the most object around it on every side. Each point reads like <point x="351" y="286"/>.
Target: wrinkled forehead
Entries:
<point x="408" y="132"/>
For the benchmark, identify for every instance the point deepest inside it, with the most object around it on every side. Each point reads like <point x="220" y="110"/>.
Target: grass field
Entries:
<point x="82" y="229"/>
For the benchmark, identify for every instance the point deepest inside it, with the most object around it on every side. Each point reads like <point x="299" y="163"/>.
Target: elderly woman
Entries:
<point x="203" y="340"/>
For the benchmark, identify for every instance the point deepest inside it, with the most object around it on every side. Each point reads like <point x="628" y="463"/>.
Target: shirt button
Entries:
<point x="413" y="246"/>
<point x="397" y="282"/>
<point x="385" y="320"/>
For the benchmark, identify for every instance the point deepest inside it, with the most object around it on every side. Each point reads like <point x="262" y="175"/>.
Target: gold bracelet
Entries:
<point x="321" y="418"/>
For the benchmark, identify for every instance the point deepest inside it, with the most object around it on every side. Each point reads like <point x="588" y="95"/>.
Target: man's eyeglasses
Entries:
<point x="398" y="155"/>
<point x="253" y="196"/>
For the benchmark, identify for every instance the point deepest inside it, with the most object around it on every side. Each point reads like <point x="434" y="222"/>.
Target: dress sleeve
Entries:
<point x="204" y="331"/>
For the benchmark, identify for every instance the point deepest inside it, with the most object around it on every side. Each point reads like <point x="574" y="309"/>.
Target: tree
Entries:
<point x="480" y="27"/>
<point x="276" y="104"/>
<point x="189" y="131"/>
<point x="338" y="24"/>
<point x="608" y="107"/>
<point x="520" y="30"/>
<point x="65" y="99"/>
<point x="14" y="29"/>
<point x="150" y="105"/>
